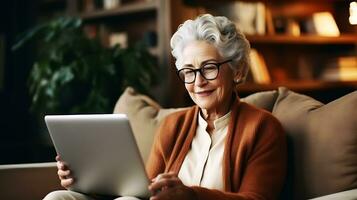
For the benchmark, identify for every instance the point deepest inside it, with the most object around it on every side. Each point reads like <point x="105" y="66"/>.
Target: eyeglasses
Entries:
<point x="208" y="71"/>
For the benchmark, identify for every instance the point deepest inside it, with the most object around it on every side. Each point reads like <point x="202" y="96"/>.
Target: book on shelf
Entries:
<point x="120" y="38"/>
<point x="285" y="25"/>
<point x="319" y="23"/>
<point x="269" y="22"/>
<point x="341" y="69"/>
<point x="260" y="18"/>
<point x="293" y="27"/>
<point x="92" y="5"/>
<point x="250" y="17"/>
<point x="98" y="31"/>
<point x="353" y="13"/>
<point x="259" y="68"/>
<point x="88" y="5"/>
<point x="107" y="36"/>
<point x="111" y="4"/>
<point x="325" y="24"/>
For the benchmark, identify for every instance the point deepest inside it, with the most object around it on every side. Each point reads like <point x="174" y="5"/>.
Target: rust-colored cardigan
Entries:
<point x="255" y="155"/>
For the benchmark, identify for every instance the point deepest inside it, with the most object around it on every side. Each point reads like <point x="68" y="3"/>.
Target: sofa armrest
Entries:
<point x="345" y="195"/>
<point x="28" y="181"/>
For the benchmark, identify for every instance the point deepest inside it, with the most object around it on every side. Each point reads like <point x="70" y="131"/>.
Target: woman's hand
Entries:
<point x="64" y="173"/>
<point x="168" y="186"/>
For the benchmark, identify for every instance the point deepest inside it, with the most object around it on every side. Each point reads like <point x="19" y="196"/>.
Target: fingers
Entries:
<point x="163" y="184"/>
<point x="66" y="183"/>
<point x="164" y="181"/>
<point x="164" y="175"/>
<point x="63" y="174"/>
<point x="66" y="179"/>
<point x="168" y="186"/>
<point x="63" y="170"/>
<point x="61" y="165"/>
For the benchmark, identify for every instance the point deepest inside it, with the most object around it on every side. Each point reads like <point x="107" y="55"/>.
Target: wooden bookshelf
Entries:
<point x="289" y="58"/>
<point x="131" y="8"/>
<point x="303" y="39"/>
<point x="145" y="21"/>
<point x="282" y="52"/>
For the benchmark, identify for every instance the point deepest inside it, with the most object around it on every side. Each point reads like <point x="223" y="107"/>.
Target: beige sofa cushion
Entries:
<point x="144" y="115"/>
<point x="323" y="140"/>
<point x="345" y="195"/>
<point x="264" y="100"/>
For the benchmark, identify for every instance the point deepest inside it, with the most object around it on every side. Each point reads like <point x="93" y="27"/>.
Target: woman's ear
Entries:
<point x="238" y="77"/>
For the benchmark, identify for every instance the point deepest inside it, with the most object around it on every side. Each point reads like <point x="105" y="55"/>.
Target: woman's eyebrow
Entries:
<point x="201" y="64"/>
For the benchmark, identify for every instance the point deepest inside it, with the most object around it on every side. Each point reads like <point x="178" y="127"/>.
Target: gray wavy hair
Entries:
<point x="218" y="31"/>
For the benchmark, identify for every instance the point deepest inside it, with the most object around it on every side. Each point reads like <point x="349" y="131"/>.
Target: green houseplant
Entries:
<point x="76" y="74"/>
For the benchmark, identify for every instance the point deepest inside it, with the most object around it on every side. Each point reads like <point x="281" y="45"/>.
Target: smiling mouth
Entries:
<point x="204" y="93"/>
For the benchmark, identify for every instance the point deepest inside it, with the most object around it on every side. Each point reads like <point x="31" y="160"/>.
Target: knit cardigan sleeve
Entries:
<point x="166" y="138"/>
<point x="157" y="160"/>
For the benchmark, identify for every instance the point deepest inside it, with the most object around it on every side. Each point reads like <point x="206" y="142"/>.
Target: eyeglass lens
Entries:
<point x="209" y="71"/>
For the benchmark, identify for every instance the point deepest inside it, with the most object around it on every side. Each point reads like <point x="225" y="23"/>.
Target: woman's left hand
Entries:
<point x="168" y="186"/>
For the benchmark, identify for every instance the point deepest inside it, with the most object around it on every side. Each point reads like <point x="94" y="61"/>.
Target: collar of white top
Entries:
<point x="218" y="123"/>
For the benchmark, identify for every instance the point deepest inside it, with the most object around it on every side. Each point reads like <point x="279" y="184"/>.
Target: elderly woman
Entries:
<point x="220" y="148"/>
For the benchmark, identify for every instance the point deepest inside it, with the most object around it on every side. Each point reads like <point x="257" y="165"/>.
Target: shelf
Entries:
<point x="125" y="9"/>
<point x="303" y="39"/>
<point x="215" y="3"/>
<point x="298" y="86"/>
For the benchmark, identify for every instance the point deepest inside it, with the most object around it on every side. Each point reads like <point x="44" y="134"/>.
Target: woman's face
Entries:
<point x="211" y="95"/>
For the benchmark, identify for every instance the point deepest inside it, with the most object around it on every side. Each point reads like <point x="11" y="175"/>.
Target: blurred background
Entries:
<point x="77" y="56"/>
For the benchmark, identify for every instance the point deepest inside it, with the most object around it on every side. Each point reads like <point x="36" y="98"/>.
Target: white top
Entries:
<point x="203" y="163"/>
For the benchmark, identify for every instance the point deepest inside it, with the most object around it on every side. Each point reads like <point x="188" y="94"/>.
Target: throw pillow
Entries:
<point x="144" y="115"/>
<point x="323" y="142"/>
<point x="264" y="100"/>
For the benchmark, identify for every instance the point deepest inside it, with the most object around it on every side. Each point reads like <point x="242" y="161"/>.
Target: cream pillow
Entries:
<point x="322" y="142"/>
<point x="144" y="115"/>
<point x="264" y="100"/>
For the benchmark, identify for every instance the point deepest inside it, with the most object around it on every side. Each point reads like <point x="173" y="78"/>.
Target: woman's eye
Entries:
<point x="209" y="67"/>
<point x="188" y="72"/>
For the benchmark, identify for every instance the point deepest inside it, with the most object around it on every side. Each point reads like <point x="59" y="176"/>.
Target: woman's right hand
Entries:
<point x="64" y="173"/>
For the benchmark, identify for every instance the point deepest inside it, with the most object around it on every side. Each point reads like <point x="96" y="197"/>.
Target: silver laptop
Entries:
<point x="101" y="152"/>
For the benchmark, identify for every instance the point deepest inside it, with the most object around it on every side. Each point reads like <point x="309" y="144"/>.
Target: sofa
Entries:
<point x="322" y="145"/>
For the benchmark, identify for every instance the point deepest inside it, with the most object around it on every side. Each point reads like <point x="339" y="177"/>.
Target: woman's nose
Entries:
<point x="200" y="80"/>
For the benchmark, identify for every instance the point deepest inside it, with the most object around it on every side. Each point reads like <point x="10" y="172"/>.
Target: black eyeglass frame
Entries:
<point x="218" y="65"/>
